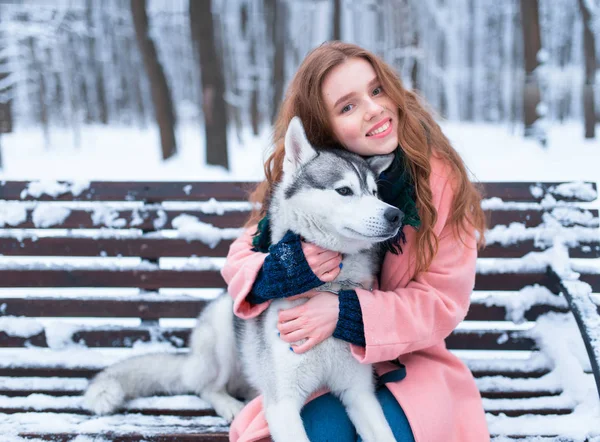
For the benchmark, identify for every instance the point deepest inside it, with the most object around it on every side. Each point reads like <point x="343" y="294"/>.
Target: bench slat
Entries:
<point x="191" y="406"/>
<point x="515" y="371"/>
<point x="145" y="218"/>
<point x="155" y="279"/>
<point x="202" y="413"/>
<point x="149" y="248"/>
<point x="238" y="191"/>
<point x="513" y="394"/>
<point x="223" y="437"/>
<point x="186" y="307"/>
<point x="142" y="411"/>
<point x="211" y="436"/>
<point x="152" y="248"/>
<point x="178" y="337"/>
<point x="521" y="192"/>
<point x="146" y="279"/>
<point x="139" y="191"/>
<point x="512" y="281"/>
<point x="536" y="411"/>
<point x="529" y="438"/>
<point x="529" y="218"/>
<point x="585" y="249"/>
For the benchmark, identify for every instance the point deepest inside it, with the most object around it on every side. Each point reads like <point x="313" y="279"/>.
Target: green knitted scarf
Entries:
<point x="396" y="187"/>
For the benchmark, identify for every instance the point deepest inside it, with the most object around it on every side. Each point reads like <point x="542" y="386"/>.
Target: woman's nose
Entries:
<point x="373" y="109"/>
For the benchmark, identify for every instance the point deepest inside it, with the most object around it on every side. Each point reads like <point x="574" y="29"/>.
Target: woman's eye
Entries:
<point x="344" y="191"/>
<point x="377" y="90"/>
<point x="347" y="108"/>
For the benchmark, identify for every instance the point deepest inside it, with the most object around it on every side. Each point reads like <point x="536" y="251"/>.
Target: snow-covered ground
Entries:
<point x="491" y="152"/>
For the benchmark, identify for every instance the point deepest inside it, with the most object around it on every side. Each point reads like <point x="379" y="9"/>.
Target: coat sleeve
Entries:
<point x="432" y="304"/>
<point x="239" y="272"/>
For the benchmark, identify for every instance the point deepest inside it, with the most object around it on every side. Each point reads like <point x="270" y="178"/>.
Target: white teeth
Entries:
<point x="381" y="129"/>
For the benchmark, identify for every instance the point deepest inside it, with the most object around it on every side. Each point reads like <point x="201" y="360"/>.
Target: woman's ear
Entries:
<point x="379" y="163"/>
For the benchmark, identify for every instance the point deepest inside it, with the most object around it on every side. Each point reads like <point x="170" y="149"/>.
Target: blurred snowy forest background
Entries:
<point x="220" y="67"/>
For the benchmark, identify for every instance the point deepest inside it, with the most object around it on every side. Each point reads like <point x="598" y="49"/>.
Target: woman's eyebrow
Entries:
<point x="343" y="98"/>
<point x="372" y="83"/>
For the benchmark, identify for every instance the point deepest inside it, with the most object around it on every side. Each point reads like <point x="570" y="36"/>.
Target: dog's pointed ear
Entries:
<point x="297" y="148"/>
<point x="379" y="163"/>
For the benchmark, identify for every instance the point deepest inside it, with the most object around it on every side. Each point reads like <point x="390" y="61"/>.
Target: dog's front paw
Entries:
<point x="227" y="407"/>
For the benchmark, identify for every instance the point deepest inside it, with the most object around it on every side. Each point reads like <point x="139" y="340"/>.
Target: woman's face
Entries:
<point x="363" y="118"/>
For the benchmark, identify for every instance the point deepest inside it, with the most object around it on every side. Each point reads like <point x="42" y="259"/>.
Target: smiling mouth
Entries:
<point x="380" y="129"/>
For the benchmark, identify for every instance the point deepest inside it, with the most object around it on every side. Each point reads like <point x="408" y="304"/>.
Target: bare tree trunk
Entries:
<point x="133" y="82"/>
<point x="70" y="71"/>
<point x="530" y="23"/>
<point x="5" y="99"/>
<point x="249" y="33"/>
<point x="161" y="96"/>
<point x="337" y="19"/>
<point x="213" y="83"/>
<point x="77" y="51"/>
<point x="37" y="67"/>
<point x="254" y="110"/>
<point x="276" y="12"/>
<point x="234" y="110"/>
<point x="517" y="48"/>
<point x="95" y="70"/>
<point x="589" y="48"/>
<point x="470" y="60"/>
<point x="6" y="120"/>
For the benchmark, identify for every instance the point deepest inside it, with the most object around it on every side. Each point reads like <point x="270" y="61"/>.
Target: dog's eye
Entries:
<point x="374" y="193"/>
<point x="344" y="191"/>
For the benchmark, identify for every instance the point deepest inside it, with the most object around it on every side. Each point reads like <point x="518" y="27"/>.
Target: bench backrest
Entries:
<point x="107" y="224"/>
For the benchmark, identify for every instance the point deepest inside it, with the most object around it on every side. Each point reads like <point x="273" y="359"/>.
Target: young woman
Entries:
<point x="347" y="97"/>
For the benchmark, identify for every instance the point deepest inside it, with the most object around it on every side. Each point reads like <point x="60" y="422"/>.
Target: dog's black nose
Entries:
<point x="393" y="215"/>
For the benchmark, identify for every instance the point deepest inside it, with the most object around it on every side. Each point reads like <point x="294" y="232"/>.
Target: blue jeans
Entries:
<point x="325" y="419"/>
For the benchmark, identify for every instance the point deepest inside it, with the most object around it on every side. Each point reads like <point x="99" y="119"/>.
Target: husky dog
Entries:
<point x="329" y="197"/>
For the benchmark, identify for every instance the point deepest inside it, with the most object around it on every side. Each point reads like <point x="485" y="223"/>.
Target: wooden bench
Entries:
<point x="95" y="272"/>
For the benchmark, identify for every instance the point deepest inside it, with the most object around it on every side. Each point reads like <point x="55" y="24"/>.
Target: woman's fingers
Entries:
<point x="312" y="249"/>
<point x="294" y="336"/>
<point x="318" y="259"/>
<point x="331" y="275"/>
<point x="304" y="347"/>
<point x="289" y="326"/>
<point x="328" y="266"/>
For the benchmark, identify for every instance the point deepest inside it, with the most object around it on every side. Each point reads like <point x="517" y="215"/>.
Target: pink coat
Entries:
<point x="407" y="318"/>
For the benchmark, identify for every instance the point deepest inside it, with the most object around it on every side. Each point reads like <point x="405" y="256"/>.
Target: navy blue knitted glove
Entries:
<point x="284" y="273"/>
<point x="350" y="326"/>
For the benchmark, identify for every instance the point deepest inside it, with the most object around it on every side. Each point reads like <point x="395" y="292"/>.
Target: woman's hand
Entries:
<point x="324" y="263"/>
<point x="315" y="320"/>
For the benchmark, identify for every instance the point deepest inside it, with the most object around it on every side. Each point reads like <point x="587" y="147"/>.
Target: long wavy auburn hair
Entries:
<point x="418" y="135"/>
